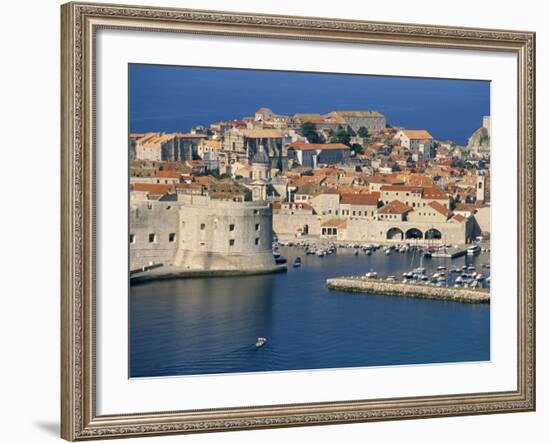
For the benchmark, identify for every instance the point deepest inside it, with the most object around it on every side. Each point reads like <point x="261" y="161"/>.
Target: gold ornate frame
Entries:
<point x="80" y="21"/>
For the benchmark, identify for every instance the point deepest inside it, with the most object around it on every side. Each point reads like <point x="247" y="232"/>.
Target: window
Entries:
<point x="202" y="243"/>
<point x="203" y="226"/>
<point x="172" y="237"/>
<point x="256" y="241"/>
<point x="232" y="242"/>
<point x="232" y="227"/>
<point x="256" y="212"/>
<point x="132" y="238"/>
<point x="257" y="226"/>
<point x="152" y="238"/>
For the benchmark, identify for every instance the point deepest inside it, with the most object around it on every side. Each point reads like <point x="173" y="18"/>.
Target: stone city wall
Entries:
<point x="159" y="219"/>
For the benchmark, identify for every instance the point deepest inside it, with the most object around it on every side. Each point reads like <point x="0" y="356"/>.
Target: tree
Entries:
<point x="357" y="148"/>
<point x="341" y="136"/>
<point x="363" y="132"/>
<point x="309" y="131"/>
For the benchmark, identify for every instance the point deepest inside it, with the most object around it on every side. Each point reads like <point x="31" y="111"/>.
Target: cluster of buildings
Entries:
<point x="212" y="198"/>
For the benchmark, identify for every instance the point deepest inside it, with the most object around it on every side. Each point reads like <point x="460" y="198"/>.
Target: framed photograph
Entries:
<point x="277" y="221"/>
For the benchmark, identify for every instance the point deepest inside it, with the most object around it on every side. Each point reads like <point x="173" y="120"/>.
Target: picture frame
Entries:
<point x="80" y="23"/>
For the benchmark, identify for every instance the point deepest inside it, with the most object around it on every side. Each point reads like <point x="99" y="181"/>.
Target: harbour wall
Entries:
<point x="380" y="287"/>
<point x="359" y="229"/>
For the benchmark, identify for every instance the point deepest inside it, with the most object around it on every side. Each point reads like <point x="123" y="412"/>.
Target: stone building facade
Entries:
<point x="372" y="120"/>
<point x="197" y="232"/>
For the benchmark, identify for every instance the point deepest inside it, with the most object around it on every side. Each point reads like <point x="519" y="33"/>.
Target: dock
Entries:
<point x="413" y="290"/>
<point x="175" y="272"/>
<point x="449" y="253"/>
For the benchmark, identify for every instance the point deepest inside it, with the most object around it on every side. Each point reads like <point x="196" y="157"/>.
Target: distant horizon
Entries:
<point x="177" y="98"/>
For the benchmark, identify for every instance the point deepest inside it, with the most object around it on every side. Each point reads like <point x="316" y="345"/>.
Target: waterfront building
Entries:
<point x="192" y="228"/>
<point x="414" y="196"/>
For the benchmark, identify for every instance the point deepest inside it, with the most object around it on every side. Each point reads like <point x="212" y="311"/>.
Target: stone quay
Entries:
<point x="413" y="290"/>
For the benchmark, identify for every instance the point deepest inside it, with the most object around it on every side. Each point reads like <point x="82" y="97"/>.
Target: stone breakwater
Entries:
<point x="382" y="287"/>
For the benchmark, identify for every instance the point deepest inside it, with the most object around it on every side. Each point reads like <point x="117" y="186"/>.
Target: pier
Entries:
<point x="413" y="290"/>
<point x="449" y="252"/>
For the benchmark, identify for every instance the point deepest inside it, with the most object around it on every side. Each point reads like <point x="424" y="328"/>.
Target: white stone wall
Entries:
<point x="159" y="219"/>
<point x="374" y="231"/>
<point x="218" y="234"/>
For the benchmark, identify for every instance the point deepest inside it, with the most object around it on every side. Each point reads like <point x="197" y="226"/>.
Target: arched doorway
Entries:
<point x="413" y="233"/>
<point x="433" y="234"/>
<point x="394" y="234"/>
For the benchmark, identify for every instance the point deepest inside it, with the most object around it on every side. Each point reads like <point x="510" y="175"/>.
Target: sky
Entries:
<point x="176" y="98"/>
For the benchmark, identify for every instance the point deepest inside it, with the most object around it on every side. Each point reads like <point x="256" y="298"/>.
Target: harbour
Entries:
<point x="207" y="325"/>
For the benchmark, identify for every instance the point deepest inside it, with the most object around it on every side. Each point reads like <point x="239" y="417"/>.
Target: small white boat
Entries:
<point x="474" y="250"/>
<point x="260" y="341"/>
<point x="371" y="274"/>
<point x="388" y="252"/>
<point x="297" y="262"/>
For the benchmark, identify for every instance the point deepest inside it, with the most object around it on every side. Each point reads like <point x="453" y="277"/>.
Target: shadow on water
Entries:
<point x="210" y="325"/>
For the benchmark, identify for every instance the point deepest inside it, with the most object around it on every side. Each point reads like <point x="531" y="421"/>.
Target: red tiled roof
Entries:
<point x="168" y="174"/>
<point x="152" y="188"/>
<point x="395" y="207"/>
<point x="440" y="208"/>
<point x="361" y="199"/>
<point x="417" y="134"/>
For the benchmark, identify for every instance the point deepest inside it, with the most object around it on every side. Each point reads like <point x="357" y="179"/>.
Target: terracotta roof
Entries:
<point x="156" y="142"/>
<point x="300" y="146"/>
<point x="417" y="134"/>
<point x="335" y="223"/>
<point x="434" y="192"/>
<point x="262" y="133"/>
<point x="465" y="207"/>
<point x="440" y="208"/>
<point x="204" y="180"/>
<point x="214" y="144"/>
<point x="395" y="207"/>
<point x="168" y="174"/>
<point x="263" y="111"/>
<point x="427" y="191"/>
<point x="195" y="163"/>
<point x="361" y="199"/>
<point x="189" y="135"/>
<point x="152" y="188"/>
<point x="459" y="218"/>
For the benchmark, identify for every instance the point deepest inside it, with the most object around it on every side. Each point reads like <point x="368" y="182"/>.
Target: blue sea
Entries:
<point x="210" y="325"/>
<point x="172" y="98"/>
